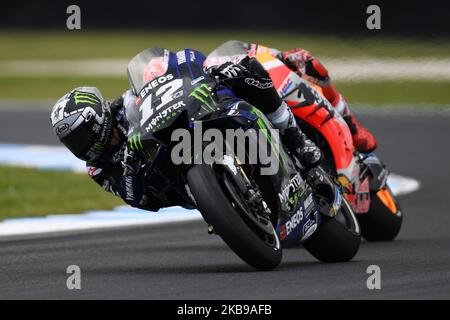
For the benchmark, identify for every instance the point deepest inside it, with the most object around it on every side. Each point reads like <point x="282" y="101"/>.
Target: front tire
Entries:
<point x="338" y="238"/>
<point x="217" y="209"/>
<point x="384" y="219"/>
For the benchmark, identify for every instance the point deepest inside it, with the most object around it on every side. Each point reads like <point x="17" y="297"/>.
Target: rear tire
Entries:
<point x="217" y="210"/>
<point x="337" y="239"/>
<point x="380" y="223"/>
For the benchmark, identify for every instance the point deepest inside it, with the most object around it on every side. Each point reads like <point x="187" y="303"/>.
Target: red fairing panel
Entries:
<point x="335" y="130"/>
<point x="337" y="134"/>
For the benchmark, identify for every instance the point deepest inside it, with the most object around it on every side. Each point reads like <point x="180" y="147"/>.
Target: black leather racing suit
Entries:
<point x="109" y="170"/>
<point x="118" y="171"/>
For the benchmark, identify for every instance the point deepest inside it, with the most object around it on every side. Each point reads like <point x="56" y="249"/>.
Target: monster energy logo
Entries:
<point x="99" y="146"/>
<point x="85" y="97"/>
<point x="265" y="130"/>
<point x="135" y="143"/>
<point x="203" y="93"/>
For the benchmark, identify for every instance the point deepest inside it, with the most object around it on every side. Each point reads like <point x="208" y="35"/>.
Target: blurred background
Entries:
<point x="404" y="65"/>
<point x="405" y="62"/>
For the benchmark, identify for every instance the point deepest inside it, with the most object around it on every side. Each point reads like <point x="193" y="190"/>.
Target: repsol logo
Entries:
<point x="155" y="83"/>
<point x="285" y="88"/>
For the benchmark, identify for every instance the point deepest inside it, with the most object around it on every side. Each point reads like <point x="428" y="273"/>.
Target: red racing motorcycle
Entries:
<point x="363" y="177"/>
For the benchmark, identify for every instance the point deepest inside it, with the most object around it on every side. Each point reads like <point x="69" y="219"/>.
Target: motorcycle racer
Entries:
<point x="308" y="67"/>
<point x="97" y="131"/>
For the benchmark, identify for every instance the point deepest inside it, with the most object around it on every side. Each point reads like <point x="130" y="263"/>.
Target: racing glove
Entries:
<point x="305" y="65"/>
<point x="131" y="184"/>
<point x="227" y="71"/>
<point x="249" y="81"/>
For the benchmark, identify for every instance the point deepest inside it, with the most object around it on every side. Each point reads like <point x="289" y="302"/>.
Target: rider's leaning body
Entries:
<point x="308" y="67"/>
<point x="97" y="131"/>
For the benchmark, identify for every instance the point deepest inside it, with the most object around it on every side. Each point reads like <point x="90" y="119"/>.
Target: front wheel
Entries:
<point x="220" y="205"/>
<point x="384" y="219"/>
<point x="337" y="239"/>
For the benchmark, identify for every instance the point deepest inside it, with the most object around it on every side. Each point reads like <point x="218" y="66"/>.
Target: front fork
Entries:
<point x="376" y="169"/>
<point x="327" y="193"/>
<point x="372" y="177"/>
<point x="256" y="209"/>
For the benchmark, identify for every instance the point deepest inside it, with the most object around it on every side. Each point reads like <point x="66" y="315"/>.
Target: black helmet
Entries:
<point x="82" y="121"/>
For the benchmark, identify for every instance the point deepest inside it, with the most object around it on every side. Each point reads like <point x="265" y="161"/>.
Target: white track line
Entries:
<point x="49" y="157"/>
<point x="119" y="217"/>
<point x="401" y="185"/>
<point x="369" y="69"/>
<point x="344" y="68"/>
<point x="41" y="157"/>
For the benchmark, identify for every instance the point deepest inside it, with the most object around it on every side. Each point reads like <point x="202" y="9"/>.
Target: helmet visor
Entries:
<point x="79" y="142"/>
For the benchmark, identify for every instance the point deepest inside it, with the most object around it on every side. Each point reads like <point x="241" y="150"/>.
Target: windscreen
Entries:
<point x="146" y="66"/>
<point x="232" y="50"/>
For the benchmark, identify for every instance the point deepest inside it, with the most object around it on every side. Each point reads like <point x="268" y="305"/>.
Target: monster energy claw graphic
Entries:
<point x="135" y="143"/>
<point x="265" y="130"/>
<point x="203" y="93"/>
<point x="85" y="97"/>
<point x="99" y="146"/>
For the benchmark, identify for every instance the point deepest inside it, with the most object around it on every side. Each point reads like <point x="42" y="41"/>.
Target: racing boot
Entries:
<point x="363" y="140"/>
<point x="303" y="148"/>
<point x="323" y="186"/>
<point x="293" y="138"/>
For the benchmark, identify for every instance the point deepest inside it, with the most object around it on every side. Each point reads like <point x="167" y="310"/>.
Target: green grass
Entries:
<point x="371" y="92"/>
<point x="37" y="88"/>
<point x="30" y="192"/>
<point x="125" y="44"/>
<point x="391" y="93"/>
<point x="86" y="44"/>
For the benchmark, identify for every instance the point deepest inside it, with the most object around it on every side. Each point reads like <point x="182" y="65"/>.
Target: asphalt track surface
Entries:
<point x="181" y="261"/>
